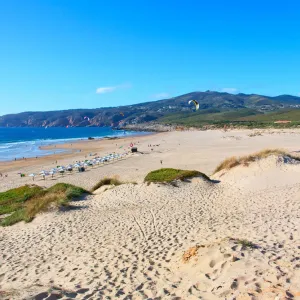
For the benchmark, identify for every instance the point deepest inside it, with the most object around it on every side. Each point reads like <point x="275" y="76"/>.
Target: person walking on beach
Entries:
<point x="161" y="162"/>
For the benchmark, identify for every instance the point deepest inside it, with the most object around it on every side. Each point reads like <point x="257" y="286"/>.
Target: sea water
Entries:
<point x="16" y="143"/>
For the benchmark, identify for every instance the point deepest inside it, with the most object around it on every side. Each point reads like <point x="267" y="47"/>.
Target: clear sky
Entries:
<point x="60" y="54"/>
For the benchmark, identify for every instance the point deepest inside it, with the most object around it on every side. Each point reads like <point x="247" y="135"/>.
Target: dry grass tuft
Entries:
<point x="256" y="133"/>
<point x="246" y="244"/>
<point x="107" y="181"/>
<point x="234" y="161"/>
<point x="188" y="254"/>
<point x="44" y="203"/>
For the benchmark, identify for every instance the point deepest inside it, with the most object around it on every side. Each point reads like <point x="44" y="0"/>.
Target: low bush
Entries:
<point x="24" y="203"/>
<point x="169" y="175"/>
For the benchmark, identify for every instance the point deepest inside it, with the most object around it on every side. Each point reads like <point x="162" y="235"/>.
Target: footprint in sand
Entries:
<point x="212" y="263"/>
<point x="234" y="284"/>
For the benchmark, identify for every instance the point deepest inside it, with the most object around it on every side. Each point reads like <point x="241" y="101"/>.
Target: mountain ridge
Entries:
<point x="149" y="111"/>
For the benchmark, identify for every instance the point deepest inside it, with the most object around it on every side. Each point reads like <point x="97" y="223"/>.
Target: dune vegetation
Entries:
<point x="107" y="181"/>
<point x="24" y="203"/>
<point x="246" y="244"/>
<point x="234" y="161"/>
<point x="169" y="175"/>
<point x="110" y="181"/>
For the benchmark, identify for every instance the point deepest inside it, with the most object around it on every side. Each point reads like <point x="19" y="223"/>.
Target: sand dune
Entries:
<point x="134" y="241"/>
<point x="271" y="172"/>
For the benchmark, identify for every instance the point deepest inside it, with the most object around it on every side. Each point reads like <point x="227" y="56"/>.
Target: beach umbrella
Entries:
<point x="44" y="174"/>
<point x="61" y="170"/>
<point x="70" y="168"/>
<point x="32" y="175"/>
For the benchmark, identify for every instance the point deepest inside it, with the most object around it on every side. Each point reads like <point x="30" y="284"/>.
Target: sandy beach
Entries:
<point x="236" y="237"/>
<point x="200" y="150"/>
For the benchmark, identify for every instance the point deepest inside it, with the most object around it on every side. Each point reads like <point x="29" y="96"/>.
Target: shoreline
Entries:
<point x="73" y="150"/>
<point x="63" y="149"/>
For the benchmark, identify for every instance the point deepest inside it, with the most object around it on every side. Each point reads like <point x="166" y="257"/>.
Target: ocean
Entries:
<point x="25" y="142"/>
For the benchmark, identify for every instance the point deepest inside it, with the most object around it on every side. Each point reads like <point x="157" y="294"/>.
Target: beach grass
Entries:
<point x="245" y="243"/>
<point x="234" y="161"/>
<point x="14" y="199"/>
<point x="24" y="203"/>
<point x="107" y="181"/>
<point x="169" y="175"/>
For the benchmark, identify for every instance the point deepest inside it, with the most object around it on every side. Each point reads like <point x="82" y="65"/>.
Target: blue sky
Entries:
<point x="63" y="54"/>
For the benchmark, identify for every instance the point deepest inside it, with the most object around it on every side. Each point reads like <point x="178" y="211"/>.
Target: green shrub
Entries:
<point x="13" y="199"/>
<point x="169" y="174"/>
<point x="26" y="202"/>
<point x="15" y="217"/>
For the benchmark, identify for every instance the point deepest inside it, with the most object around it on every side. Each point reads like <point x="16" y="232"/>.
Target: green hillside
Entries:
<point x="290" y="115"/>
<point x="203" y="117"/>
<point x="242" y="117"/>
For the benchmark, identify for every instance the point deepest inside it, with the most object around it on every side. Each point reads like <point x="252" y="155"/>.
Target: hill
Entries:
<point x="240" y="117"/>
<point x="214" y="106"/>
<point x="284" y="114"/>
